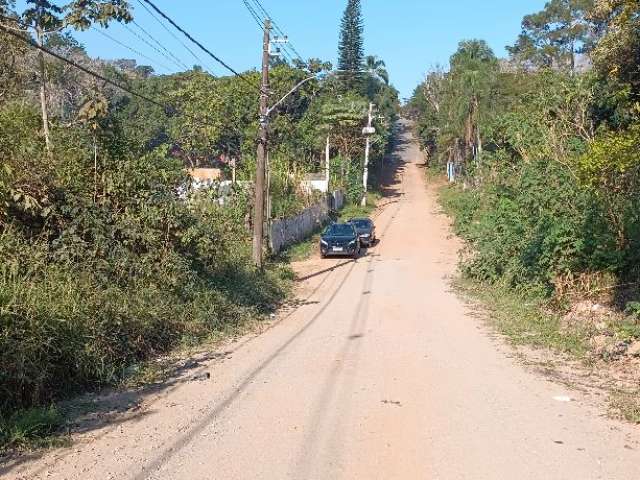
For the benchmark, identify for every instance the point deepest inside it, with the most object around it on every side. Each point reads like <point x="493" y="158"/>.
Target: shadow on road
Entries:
<point x="182" y="440"/>
<point x="325" y="270"/>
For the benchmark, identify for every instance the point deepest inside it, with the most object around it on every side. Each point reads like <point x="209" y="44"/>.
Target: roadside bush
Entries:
<point x="67" y="326"/>
<point x="529" y="224"/>
<point x="90" y="285"/>
<point x="30" y="428"/>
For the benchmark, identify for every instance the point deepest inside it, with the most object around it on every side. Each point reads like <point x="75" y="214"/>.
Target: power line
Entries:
<point x="261" y="19"/>
<point x="278" y="29"/>
<point x="167" y="108"/>
<point x="124" y="45"/>
<point x="254" y="14"/>
<point x="164" y="52"/>
<point x="266" y="14"/>
<point x="290" y="56"/>
<point x="168" y="30"/>
<point x="260" y="22"/>
<point x="202" y="47"/>
<point x="124" y="88"/>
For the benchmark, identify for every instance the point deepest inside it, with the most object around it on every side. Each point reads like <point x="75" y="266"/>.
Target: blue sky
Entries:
<point x="410" y="35"/>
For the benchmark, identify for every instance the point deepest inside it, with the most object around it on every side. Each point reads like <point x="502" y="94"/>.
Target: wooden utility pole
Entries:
<point x="365" y="175"/>
<point x="259" y="204"/>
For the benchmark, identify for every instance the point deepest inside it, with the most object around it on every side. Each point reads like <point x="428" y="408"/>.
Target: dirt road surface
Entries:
<point x="381" y="373"/>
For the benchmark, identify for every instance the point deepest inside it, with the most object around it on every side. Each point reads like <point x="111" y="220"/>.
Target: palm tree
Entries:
<point x="377" y="68"/>
<point x="473" y="68"/>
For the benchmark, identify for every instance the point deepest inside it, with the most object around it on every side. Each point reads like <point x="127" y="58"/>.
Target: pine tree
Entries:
<point x="351" y="47"/>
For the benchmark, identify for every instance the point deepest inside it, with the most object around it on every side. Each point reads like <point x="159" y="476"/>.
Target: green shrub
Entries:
<point x="70" y="326"/>
<point x="29" y="427"/>
<point x="92" y="283"/>
<point x="528" y="224"/>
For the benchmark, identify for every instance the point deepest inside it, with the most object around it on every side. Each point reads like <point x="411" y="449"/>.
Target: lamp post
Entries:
<point x="367" y="132"/>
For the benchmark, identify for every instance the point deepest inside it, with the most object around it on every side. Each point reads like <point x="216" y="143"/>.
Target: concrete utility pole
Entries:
<point x="43" y="88"/>
<point x="327" y="162"/>
<point x="368" y="131"/>
<point x="234" y="164"/>
<point x="259" y="204"/>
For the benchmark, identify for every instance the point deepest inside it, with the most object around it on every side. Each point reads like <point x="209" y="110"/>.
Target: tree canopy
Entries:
<point x="351" y="45"/>
<point x="553" y="36"/>
<point x="546" y="155"/>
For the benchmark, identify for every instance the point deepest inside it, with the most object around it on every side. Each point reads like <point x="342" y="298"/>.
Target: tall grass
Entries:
<point x="67" y="327"/>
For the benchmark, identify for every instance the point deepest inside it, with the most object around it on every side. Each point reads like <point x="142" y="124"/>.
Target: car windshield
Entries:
<point x="362" y="224"/>
<point x="340" y="230"/>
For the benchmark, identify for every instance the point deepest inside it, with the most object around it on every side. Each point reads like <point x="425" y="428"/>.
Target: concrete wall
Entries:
<point x="336" y="200"/>
<point x="321" y="185"/>
<point x="287" y="231"/>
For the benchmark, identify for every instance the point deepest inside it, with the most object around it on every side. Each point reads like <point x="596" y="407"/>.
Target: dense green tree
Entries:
<point x="351" y="45"/>
<point x="48" y="18"/>
<point x="376" y="80"/>
<point x="81" y="14"/>
<point x="554" y="202"/>
<point x="425" y="107"/>
<point x="105" y="248"/>
<point x="313" y="65"/>
<point x="473" y="70"/>
<point x="555" y="35"/>
<point x="14" y="73"/>
<point x="377" y="68"/>
<point x="617" y="55"/>
<point x="45" y="17"/>
<point x="343" y="119"/>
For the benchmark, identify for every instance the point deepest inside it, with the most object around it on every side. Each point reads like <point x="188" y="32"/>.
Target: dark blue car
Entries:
<point x="366" y="231"/>
<point x="340" y="239"/>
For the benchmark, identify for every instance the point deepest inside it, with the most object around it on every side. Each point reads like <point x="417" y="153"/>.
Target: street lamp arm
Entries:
<point x="291" y="92"/>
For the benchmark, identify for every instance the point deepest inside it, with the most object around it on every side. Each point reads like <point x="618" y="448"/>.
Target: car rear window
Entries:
<point x="362" y="223"/>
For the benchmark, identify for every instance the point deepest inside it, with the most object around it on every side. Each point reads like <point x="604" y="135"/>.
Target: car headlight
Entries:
<point x="366" y="235"/>
<point x="353" y="242"/>
<point x="323" y="242"/>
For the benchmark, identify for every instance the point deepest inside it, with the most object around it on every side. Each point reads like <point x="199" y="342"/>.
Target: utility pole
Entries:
<point x="267" y="196"/>
<point x="327" y="162"/>
<point x="259" y="204"/>
<point x="40" y="37"/>
<point x="234" y="164"/>
<point x="368" y="131"/>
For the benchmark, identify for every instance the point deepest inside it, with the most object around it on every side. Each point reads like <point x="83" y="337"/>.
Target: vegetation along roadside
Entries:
<point x="541" y="153"/>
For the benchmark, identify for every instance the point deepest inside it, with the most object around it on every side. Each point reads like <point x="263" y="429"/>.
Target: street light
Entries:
<point x="317" y="76"/>
<point x="367" y="131"/>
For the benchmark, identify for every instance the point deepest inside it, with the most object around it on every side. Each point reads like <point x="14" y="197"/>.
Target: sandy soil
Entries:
<point x="382" y="372"/>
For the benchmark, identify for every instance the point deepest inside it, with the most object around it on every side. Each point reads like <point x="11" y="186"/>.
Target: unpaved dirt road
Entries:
<point x="381" y="373"/>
